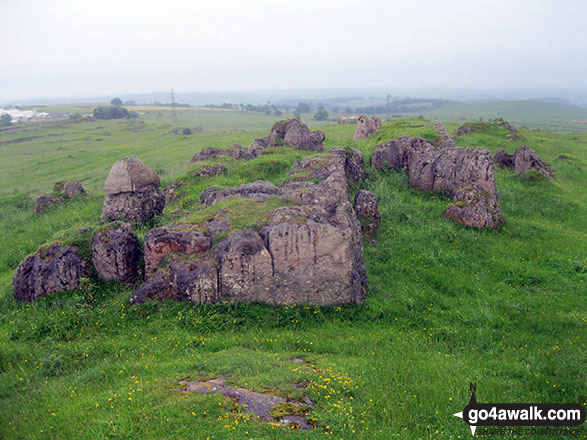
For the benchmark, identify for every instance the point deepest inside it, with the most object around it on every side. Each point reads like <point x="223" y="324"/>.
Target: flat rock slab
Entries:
<point x="258" y="404"/>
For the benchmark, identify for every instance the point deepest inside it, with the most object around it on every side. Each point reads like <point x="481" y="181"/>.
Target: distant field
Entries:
<point x="32" y="154"/>
<point x="533" y="114"/>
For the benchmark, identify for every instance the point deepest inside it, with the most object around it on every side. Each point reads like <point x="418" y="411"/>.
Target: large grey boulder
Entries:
<point x="132" y="192"/>
<point x="116" y="253"/>
<point x="366" y="127"/>
<point x="52" y="269"/>
<point x="291" y="132"/>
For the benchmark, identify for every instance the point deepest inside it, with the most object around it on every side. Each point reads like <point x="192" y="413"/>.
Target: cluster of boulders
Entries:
<point x="465" y="173"/>
<point x="304" y="244"/>
<point x="366" y="127"/>
<point x="470" y="127"/>
<point x="290" y="132"/>
<point x="62" y="192"/>
<point x="523" y="160"/>
<point x="307" y="250"/>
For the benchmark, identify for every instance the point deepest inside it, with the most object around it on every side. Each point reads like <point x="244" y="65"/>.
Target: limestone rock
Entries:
<point x="45" y="201"/>
<point x="259" y="190"/>
<point x="525" y="159"/>
<point x="132" y="192"/>
<point x="502" y="159"/>
<point x="366" y="127"/>
<point x="71" y="188"/>
<point x="475" y="206"/>
<point x="116" y="253"/>
<point x="366" y="205"/>
<point x="236" y="151"/>
<point x="210" y="170"/>
<point x="291" y="132"/>
<point x="53" y="269"/>
<point x="170" y="192"/>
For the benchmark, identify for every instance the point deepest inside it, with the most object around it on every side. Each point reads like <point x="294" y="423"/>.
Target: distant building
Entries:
<point x="30" y="115"/>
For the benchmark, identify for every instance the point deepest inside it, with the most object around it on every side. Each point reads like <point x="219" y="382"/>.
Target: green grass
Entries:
<point x="446" y="305"/>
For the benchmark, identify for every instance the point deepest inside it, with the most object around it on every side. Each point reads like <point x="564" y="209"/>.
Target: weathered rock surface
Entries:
<point x="170" y="191"/>
<point x="449" y="170"/>
<point x="132" y="192"/>
<point x="259" y="190"/>
<point x="367" y="207"/>
<point x="116" y="253"/>
<point x="45" y="201"/>
<point x="366" y="127"/>
<point x="505" y="124"/>
<point x="446" y="141"/>
<point x="525" y="159"/>
<point x="475" y="206"/>
<point x="503" y="159"/>
<point x="308" y="251"/>
<point x="236" y="151"/>
<point x="71" y="188"/>
<point x="53" y="269"/>
<point x="210" y="170"/>
<point x="260" y="405"/>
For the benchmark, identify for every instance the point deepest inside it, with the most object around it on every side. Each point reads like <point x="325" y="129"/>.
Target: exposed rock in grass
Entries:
<point x="526" y="159"/>
<point x="116" y="253"/>
<point x="210" y="170"/>
<point x="446" y="140"/>
<point x="366" y="127"/>
<point x="291" y="132"/>
<point x="449" y="170"/>
<point x="259" y="190"/>
<point x="366" y="205"/>
<point x="475" y="206"/>
<point x="236" y="151"/>
<point x="305" y="248"/>
<point x="132" y="192"/>
<point x="71" y="188"/>
<point x="45" y="201"/>
<point x="170" y="191"/>
<point x="52" y="269"/>
<point x="265" y="407"/>
<point x="505" y="124"/>
<point x="502" y="159"/>
<point x="62" y="192"/>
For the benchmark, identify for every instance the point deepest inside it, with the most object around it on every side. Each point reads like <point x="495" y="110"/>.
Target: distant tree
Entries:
<point x="277" y="112"/>
<point x="5" y="120"/>
<point x="75" y="116"/>
<point x="296" y="113"/>
<point x="303" y="107"/>
<point x="321" y="114"/>
<point x="348" y="110"/>
<point x="116" y="101"/>
<point x="186" y="131"/>
<point x="113" y="112"/>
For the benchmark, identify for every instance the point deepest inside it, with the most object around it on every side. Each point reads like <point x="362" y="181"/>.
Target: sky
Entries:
<point x="60" y="48"/>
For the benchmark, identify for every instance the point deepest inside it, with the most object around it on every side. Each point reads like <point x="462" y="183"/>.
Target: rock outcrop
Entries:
<point x="475" y="206"/>
<point x="62" y="192"/>
<point x="132" y="192"/>
<point x="210" y="170"/>
<point x="367" y="208"/>
<point x="290" y="132"/>
<point x="44" y="201"/>
<point x="52" y="269"/>
<point x="525" y="159"/>
<point x="503" y="159"/>
<point x="307" y="250"/>
<point x="170" y="191"/>
<point x="366" y="127"/>
<point x="448" y="170"/>
<point x="116" y="253"/>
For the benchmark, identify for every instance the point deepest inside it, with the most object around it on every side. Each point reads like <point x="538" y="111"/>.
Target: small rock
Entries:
<point x="45" y="201"/>
<point x="170" y="192"/>
<point x="366" y="205"/>
<point x="52" y="269"/>
<point x="366" y="127"/>
<point x="525" y="159"/>
<point x="210" y="170"/>
<point x="502" y="159"/>
<point x="475" y="206"/>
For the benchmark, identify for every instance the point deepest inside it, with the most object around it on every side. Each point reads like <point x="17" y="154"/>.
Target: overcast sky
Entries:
<point x="86" y="48"/>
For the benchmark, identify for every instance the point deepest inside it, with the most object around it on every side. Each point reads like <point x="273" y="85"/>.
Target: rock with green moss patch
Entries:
<point x="366" y="127"/>
<point x="53" y="268"/>
<point x="44" y="201"/>
<point x="475" y="206"/>
<point x="525" y="159"/>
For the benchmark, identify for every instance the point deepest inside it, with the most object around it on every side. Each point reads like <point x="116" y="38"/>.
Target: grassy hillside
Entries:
<point x="446" y="305"/>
